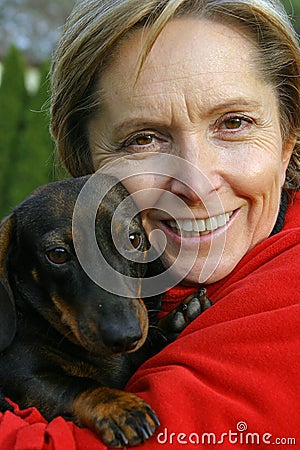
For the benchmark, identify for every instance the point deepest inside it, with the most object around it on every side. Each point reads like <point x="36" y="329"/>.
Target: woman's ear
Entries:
<point x="287" y="150"/>
<point x="7" y="304"/>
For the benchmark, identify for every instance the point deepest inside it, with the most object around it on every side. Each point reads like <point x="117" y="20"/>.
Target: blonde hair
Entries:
<point x="95" y="28"/>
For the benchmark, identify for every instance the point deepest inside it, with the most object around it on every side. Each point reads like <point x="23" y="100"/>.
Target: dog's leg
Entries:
<point x="119" y="418"/>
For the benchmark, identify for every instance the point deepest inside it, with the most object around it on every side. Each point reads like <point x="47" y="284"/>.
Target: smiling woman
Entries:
<point x="195" y="107"/>
<point x="218" y="114"/>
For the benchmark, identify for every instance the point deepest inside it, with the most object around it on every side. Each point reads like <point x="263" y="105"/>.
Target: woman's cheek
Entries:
<point x="253" y="168"/>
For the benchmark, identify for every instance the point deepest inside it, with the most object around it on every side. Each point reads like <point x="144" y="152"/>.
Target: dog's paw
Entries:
<point x="120" y="419"/>
<point x="177" y="319"/>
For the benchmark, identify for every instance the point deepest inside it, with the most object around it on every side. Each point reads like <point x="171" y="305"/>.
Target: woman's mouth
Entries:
<point x="198" y="227"/>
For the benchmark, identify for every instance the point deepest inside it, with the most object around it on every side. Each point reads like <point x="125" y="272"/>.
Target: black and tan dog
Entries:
<point x="69" y="346"/>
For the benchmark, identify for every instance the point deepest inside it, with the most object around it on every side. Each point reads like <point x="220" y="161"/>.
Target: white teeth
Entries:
<point x="199" y="225"/>
<point x="185" y="225"/>
<point x="190" y="228"/>
<point x="211" y="223"/>
<point x="221" y="220"/>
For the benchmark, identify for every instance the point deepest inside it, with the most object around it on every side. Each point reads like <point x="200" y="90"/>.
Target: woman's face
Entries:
<point x="199" y="97"/>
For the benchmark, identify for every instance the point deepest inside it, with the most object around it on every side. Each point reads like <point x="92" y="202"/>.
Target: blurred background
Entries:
<point x="29" y="30"/>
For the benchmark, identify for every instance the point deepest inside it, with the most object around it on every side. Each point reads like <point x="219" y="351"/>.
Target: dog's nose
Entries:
<point x="120" y="343"/>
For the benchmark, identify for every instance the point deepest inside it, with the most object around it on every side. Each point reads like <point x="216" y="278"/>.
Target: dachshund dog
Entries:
<point x="67" y="345"/>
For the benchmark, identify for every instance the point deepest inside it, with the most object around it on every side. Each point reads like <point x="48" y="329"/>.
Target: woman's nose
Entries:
<point x="189" y="191"/>
<point x="196" y="173"/>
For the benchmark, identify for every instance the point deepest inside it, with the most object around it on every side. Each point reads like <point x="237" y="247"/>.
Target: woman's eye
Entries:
<point x="229" y="125"/>
<point x="58" y="255"/>
<point x="141" y="140"/>
<point x="232" y="124"/>
<point x="147" y="141"/>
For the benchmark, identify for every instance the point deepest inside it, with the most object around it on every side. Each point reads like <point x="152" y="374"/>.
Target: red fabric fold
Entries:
<point x="235" y="368"/>
<point x="28" y="430"/>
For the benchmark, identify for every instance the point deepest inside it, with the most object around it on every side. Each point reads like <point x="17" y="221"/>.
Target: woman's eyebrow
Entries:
<point x="132" y="124"/>
<point x="238" y="104"/>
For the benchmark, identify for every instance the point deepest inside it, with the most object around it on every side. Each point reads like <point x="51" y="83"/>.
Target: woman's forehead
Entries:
<point x="186" y="46"/>
<point x="210" y="62"/>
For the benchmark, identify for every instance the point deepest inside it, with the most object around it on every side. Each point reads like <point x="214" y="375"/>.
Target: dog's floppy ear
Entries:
<point x="7" y="306"/>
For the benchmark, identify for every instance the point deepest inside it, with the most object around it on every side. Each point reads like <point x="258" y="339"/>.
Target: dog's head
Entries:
<point x="40" y="271"/>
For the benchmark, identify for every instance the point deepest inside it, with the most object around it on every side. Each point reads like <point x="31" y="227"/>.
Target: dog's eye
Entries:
<point x="58" y="255"/>
<point x="135" y="239"/>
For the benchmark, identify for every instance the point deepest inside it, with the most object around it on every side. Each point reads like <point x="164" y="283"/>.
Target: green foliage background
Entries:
<point x="26" y="149"/>
<point x="293" y="9"/>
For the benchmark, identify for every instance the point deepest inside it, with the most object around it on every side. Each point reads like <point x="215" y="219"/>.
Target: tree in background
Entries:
<point x="26" y="148"/>
<point x="13" y="97"/>
<point x="33" y="158"/>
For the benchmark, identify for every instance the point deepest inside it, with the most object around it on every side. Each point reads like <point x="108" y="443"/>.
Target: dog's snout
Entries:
<point x="121" y="342"/>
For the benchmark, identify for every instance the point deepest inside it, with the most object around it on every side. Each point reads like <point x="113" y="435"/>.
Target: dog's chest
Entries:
<point x="112" y="371"/>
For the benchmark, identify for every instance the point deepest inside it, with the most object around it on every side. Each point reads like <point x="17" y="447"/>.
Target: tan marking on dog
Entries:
<point x="69" y="233"/>
<point x="68" y="320"/>
<point x="76" y="368"/>
<point x="6" y="234"/>
<point x="35" y="275"/>
<point x="143" y="320"/>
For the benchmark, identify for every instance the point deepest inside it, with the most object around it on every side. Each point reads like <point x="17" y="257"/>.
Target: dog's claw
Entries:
<point x="143" y="431"/>
<point x="120" y="439"/>
<point x="153" y="416"/>
<point x="147" y="430"/>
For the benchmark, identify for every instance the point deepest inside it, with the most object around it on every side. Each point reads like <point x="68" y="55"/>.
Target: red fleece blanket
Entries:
<point x="230" y="380"/>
